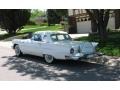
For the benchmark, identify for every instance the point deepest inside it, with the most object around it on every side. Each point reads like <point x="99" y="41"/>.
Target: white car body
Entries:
<point x="60" y="49"/>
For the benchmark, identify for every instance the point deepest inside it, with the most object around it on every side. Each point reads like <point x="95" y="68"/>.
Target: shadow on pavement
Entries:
<point x="61" y="70"/>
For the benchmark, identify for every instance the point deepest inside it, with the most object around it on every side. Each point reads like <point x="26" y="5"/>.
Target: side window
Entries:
<point x="61" y="37"/>
<point x="37" y="37"/>
<point x="54" y="37"/>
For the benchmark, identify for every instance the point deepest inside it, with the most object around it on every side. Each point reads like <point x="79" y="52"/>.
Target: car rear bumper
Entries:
<point x="74" y="57"/>
<point x="80" y="55"/>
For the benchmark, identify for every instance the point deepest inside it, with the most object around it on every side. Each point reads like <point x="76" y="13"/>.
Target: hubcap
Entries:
<point x="49" y="58"/>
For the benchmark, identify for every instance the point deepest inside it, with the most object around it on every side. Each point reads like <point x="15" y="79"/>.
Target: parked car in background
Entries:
<point x="53" y="45"/>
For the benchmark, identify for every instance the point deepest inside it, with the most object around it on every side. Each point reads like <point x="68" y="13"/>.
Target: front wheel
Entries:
<point x="49" y="58"/>
<point x="18" y="51"/>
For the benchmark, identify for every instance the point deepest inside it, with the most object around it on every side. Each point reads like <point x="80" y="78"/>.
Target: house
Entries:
<point x="79" y="21"/>
<point x="40" y="19"/>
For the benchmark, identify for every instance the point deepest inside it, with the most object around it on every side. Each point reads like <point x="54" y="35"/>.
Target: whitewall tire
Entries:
<point x="49" y="58"/>
<point x="18" y="51"/>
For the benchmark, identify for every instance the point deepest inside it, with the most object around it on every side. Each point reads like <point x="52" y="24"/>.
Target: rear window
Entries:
<point x="60" y="37"/>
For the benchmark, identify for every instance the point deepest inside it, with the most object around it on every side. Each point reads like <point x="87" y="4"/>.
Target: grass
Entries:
<point x="111" y="47"/>
<point x="29" y="28"/>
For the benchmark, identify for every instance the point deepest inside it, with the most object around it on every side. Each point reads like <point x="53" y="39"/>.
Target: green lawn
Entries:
<point x="34" y="28"/>
<point x="111" y="47"/>
<point x="30" y="28"/>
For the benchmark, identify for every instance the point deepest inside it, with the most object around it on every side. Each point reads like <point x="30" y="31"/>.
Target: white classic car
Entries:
<point x="54" y="45"/>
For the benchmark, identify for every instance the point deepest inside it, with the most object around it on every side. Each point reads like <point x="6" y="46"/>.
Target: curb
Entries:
<point x="105" y="60"/>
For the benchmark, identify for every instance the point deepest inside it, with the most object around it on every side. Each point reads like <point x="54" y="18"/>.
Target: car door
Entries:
<point x="35" y="45"/>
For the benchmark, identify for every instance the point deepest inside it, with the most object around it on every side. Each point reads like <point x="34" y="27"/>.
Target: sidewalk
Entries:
<point x="3" y="32"/>
<point x="106" y="60"/>
<point x="7" y="44"/>
<point x="74" y="36"/>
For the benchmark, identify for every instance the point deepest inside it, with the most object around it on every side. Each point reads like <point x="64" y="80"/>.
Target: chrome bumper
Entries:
<point x="81" y="55"/>
<point x="75" y="56"/>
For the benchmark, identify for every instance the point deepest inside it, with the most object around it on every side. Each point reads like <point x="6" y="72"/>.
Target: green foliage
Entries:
<point x="44" y="24"/>
<point x="112" y="45"/>
<point x="31" y="22"/>
<point x="55" y="15"/>
<point x="13" y="19"/>
<point x="35" y="28"/>
<point x="36" y="13"/>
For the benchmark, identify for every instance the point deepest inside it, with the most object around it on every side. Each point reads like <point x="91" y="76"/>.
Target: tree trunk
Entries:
<point x="117" y="18"/>
<point x="93" y="26"/>
<point x="99" y="17"/>
<point x="12" y="32"/>
<point x="102" y="32"/>
<point x="103" y="18"/>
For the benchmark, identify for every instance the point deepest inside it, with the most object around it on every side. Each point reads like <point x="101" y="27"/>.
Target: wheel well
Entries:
<point x="14" y="45"/>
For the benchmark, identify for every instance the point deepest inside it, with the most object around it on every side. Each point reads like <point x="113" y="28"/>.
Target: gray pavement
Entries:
<point x="34" y="68"/>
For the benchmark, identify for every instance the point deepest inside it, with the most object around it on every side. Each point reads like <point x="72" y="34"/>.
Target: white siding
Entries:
<point x="111" y="23"/>
<point x="70" y="12"/>
<point x="84" y="27"/>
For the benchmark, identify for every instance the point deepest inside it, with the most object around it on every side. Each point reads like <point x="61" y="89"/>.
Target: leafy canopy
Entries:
<point x="13" y="20"/>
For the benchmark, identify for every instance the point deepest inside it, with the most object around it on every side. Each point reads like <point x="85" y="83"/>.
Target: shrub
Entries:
<point x="31" y="23"/>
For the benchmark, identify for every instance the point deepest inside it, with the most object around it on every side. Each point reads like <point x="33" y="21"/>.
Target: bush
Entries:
<point x="31" y="23"/>
<point x="44" y="24"/>
<point x="112" y="45"/>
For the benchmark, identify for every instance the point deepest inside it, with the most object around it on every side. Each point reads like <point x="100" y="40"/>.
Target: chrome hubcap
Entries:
<point x="48" y="58"/>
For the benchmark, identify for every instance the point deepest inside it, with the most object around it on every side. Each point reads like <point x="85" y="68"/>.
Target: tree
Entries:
<point x="99" y="18"/>
<point x="13" y="20"/>
<point x="117" y="18"/>
<point x="36" y="13"/>
<point x="55" y="15"/>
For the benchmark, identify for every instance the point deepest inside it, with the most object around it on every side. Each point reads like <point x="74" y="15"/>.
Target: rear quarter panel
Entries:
<point x="56" y="50"/>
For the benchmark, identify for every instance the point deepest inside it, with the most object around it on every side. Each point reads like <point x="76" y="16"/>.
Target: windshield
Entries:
<point x="60" y="37"/>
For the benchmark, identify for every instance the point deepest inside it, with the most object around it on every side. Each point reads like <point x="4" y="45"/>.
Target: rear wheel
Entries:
<point x="49" y="58"/>
<point x="18" y="51"/>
